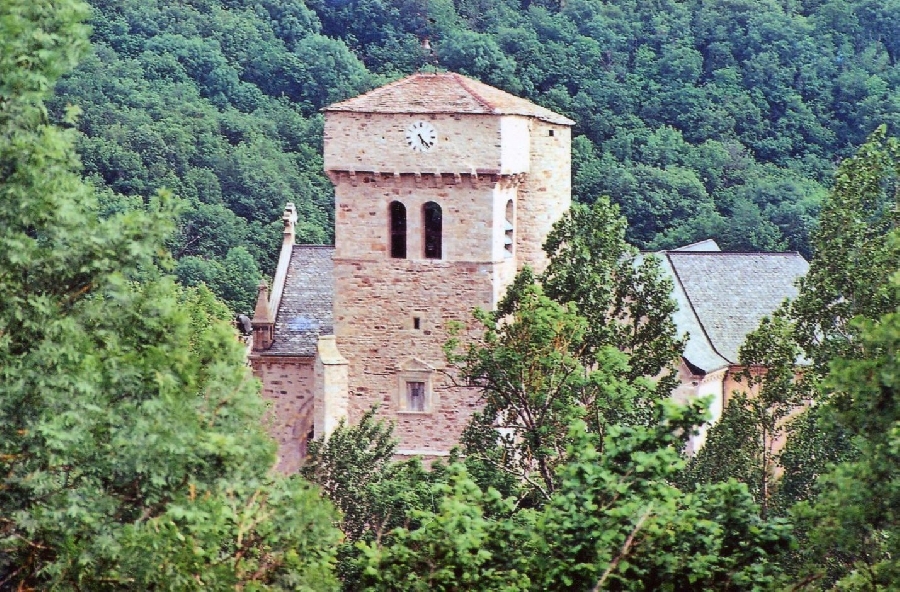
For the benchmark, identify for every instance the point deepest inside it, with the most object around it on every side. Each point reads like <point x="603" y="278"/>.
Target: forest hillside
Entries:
<point x="700" y="118"/>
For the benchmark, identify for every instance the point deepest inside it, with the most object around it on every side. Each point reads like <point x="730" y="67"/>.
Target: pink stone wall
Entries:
<point x="473" y="211"/>
<point x="376" y="142"/>
<point x="288" y="384"/>
<point x="376" y="302"/>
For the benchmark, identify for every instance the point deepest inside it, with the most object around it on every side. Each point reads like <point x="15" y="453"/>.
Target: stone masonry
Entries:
<point x="497" y="169"/>
<point x="440" y="160"/>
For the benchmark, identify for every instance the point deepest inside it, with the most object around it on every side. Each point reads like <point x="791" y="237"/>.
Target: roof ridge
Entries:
<point x="462" y="81"/>
<point x="706" y="253"/>
<point x="445" y="93"/>
<point x="304" y="246"/>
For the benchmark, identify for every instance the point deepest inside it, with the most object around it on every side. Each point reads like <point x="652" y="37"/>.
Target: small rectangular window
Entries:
<point x="417" y="323"/>
<point x="415" y="396"/>
<point x="552" y="132"/>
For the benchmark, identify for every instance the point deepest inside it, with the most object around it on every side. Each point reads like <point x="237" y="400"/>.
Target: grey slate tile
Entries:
<point x="306" y="305"/>
<point x="732" y="292"/>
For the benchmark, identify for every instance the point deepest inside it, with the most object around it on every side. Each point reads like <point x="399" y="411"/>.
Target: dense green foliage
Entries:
<point x="852" y="525"/>
<point x="839" y="415"/>
<point x="607" y="517"/>
<point x="217" y="103"/>
<point x="625" y="298"/>
<point x="132" y="452"/>
<point x="610" y="518"/>
<point x="699" y="118"/>
<point x="580" y="341"/>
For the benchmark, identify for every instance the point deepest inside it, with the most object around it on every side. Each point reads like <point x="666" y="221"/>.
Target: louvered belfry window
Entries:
<point x="433" y="228"/>
<point x="508" y="229"/>
<point x="398" y="230"/>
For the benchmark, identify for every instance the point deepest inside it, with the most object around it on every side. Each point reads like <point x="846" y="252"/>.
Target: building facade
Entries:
<point x="444" y="188"/>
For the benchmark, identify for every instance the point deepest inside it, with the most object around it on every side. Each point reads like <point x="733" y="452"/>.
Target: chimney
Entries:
<point x="263" y="324"/>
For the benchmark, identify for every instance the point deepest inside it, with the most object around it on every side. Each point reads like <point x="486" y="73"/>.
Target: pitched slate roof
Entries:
<point x="723" y="296"/>
<point x="445" y="92"/>
<point x="305" y="311"/>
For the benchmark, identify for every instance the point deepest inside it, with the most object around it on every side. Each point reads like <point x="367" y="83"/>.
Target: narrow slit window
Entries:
<point x="433" y="228"/>
<point x="398" y="230"/>
<point x="508" y="229"/>
<point x="415" y="396"/>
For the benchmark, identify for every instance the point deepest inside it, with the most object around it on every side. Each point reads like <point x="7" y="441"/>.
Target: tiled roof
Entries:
<point x="305" y="311"/>
<point x="727" y="295"/>
<point x="445" y="93"/>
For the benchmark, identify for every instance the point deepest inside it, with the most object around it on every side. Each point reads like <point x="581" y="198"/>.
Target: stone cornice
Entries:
<point x="714" y="375"/>
<point x="432" y="179"/>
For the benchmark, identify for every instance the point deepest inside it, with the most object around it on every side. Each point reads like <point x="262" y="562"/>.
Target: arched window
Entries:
<point x="508" y="228"/>
<point x="431" y="212"/>
<point x="398" y="230"/>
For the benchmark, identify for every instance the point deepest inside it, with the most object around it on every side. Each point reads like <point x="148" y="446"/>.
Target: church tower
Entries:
<point x="444" y="188"/>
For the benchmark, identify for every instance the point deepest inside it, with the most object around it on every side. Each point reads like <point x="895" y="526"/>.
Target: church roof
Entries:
<point x="445" y="92"/>
<point x="723" y="296"/>
<point x="305" y="311"/>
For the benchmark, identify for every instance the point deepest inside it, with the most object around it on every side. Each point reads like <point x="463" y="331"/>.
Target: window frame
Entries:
<point x="412" y="372"/>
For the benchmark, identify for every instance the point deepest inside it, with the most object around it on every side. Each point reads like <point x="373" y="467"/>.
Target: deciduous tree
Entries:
<point x="132" y="453"/>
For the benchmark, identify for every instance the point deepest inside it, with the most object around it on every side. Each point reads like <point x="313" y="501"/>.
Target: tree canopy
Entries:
<point x="699" y="119"/>
<point x="132" y="449"/>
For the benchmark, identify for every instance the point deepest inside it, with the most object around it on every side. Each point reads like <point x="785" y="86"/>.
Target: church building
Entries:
<point x="444" y="188"/>
<point x="722" y="297"/>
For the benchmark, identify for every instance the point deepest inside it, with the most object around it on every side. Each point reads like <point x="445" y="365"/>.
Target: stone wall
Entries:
<point x="391" y="315"/>
<point x="466" y="143"/>
<point x="473" y="211"/>
<point x="331" y="376"/>
<point x="288" y="384"/>
<point x="546" y="194"/>
<point x="377" y="303"/>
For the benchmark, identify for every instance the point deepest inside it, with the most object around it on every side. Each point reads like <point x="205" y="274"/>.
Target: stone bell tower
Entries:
<point x="444" y="187"/>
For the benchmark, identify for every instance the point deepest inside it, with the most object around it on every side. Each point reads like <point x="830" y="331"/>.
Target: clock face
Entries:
<point x="420" y="136"/>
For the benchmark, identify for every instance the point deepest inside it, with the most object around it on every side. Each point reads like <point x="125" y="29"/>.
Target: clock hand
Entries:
<point x="424" y="143"/>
